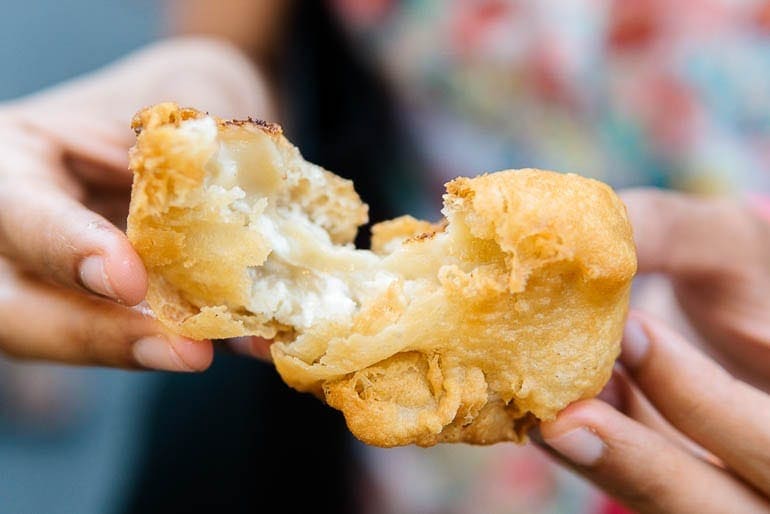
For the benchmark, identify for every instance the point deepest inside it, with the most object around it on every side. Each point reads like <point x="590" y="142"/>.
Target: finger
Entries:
<point x="257" y="347"/>
<point x="113" y="205"/>
<point x="54" y="236"/>
<point x="91" y="147"/>
<point x="84" y="136"/>
<point x="641" y="468"/>
<point x="43" y="321"/>
<point x="732" y="315"/>
<point x="622" y="394"/>
<point x="686" y="235"/>
<point x="728" y="417"/>
<point x="96" y="173"/>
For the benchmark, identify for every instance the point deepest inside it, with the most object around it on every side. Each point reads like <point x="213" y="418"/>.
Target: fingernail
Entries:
<point x="157" y="352"/>
<point x="635" y="343"/>
<point x="612" y="393"/>
<point x="93" y="276"/>
<point x="581" y="446"/>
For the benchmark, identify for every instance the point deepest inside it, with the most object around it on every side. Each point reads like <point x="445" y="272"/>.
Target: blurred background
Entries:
<point x="45" y="42"/>
<point x="401" y="96"/>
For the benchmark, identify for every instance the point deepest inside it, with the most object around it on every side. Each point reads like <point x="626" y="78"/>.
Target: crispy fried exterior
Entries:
<point x="196" y="251"/>
<point x="471" y="329"/>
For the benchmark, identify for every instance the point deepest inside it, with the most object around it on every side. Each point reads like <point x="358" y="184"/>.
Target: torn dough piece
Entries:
<point x="470" y="330"/>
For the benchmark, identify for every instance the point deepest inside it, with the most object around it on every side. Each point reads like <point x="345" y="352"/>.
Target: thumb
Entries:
<point x="685" y="235"/>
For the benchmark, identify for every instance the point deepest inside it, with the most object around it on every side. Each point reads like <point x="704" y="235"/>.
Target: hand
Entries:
<point x="716" y="255"/>
<point x="693" y="438"/>
<point x="673" y="396"/>
<point x="67" y="272"/>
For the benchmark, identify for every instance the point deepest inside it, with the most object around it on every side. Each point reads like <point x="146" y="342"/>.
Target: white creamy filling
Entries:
<point x="205" y="126"/>
<point x="306" y="277"/>
<point x="224" y="169"/>
<point x="299" y="300"/>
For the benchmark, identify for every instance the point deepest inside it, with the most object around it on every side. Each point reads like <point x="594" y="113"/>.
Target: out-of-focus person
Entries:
<point x="402" y="96"/>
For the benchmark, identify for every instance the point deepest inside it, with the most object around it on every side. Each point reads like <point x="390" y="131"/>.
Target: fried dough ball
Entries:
<point x="468" y="330"/>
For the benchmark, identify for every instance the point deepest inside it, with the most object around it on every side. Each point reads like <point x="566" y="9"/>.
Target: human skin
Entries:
<point x="57" y="305"/>
<point x="68" y="274"/>
<point x="677" y="432"/>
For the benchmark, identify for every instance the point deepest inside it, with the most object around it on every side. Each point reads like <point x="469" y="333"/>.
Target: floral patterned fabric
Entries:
<point x="668" y="93"/>
<point x="672" y="93"/>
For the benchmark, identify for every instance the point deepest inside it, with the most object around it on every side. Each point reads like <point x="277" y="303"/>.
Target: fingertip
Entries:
<point x="578" y="414"/>
<point x="64" y="241"/>
<point x="126" y="274"/>
<point x="168" y="352"/>
<point x="573" y="433"/>
<point x="635" y="345"/>
<point x="108" y="264"/>
<point x="196" y="355"/>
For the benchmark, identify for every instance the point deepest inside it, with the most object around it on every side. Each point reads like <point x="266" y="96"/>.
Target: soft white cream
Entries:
<point x="306" y="277"/>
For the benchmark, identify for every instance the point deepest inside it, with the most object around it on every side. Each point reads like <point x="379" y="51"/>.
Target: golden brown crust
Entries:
<point x="197" y="260"/>
<point x="393" y="232"/>
<point x="471" y="329"/>
<point x="162" y="114"/>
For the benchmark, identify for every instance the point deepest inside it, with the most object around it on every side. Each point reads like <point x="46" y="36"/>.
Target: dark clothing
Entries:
<point x="235" y="436"/>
